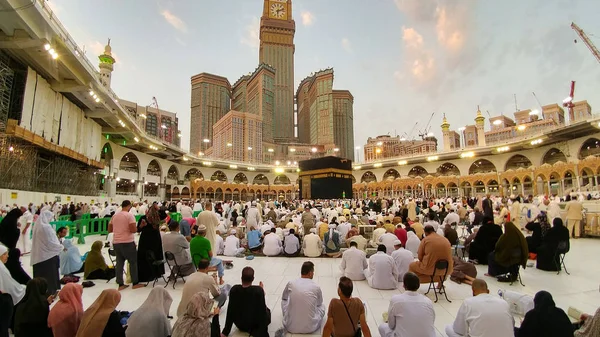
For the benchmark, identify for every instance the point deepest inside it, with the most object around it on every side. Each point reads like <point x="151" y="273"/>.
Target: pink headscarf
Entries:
<point x="65" y="316"/>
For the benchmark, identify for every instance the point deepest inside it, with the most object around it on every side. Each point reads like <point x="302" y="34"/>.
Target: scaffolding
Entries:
<point x="6" y="85"/>
<point x="24" y="166"/>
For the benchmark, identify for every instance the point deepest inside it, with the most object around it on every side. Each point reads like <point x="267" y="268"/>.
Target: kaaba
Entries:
<point x="325" y="178"/>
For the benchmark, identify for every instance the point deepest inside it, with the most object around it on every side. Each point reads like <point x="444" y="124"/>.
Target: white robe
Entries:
<point x="45" y="243"/>
<point x="232" y="246"/>
<point x="210" y="220"/>
<point x="8" y="285"/>
<point x="252" y="218"/>
<point x="481" y="314"/>
<point x="312" y="245"/>
<point x="413" y="243"/>
<point x="388" y="240"/>
<point x="272" y="245"/>
<point x="302" y="306"/>
<point x="382" y="272"/>
<point x="353" y="264"/>
<point x="402" y="259"/>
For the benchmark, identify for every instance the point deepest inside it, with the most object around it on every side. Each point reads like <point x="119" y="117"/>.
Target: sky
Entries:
<point x="402" y="59"/>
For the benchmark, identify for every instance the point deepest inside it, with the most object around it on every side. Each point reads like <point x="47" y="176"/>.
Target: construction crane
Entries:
<point x="425" y="132"/>
<point x="164" y="135"/>
<point x="568" y="102"/>
<point x="586" y="40"/>
<point x="411" y="131"/>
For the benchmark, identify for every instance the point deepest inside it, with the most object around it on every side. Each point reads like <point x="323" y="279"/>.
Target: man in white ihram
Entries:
<point x="272" y="244"/>
<point x="232" y="245"/>
<point x="402" y="259"/>
<point x="382" y="273"/>
<point x="482" y="315"/>
<point x="354" y="262"/>
<point x="252" y="217"/>
<point x="302" y="303"/>
<point x="410" y="314"/>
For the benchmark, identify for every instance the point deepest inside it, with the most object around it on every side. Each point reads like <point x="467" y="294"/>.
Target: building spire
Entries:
<point x="479" y="118"/>
<point x="106" y="65"/>
<point x="445" y="125"/>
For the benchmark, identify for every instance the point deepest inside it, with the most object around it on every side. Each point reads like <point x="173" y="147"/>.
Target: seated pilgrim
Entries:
<point x="482" y="315"/>
<point x="198" y="282"/>
<point x="450" y="234"/>
<point x="302" y="303"/>
<point x="291" y="244"/>
<point x="177" y="244"/>
<point x="360" y="240"/>
<point x="412" y="242"/>
<point x="272" y="244"/>
<point x="247" y="307"/>
<point x="432" y="249"/>
<point x="547" y="259"/>
<point x="253" y="237"/>
<point x="538" y="229"/>
<point x="219" y="242"/>
<point x="410" y="314"/>
<point x="200" y="249"/>
<point x="331" y="239"/>
<point x="354" y="262"/>
<point x="95" y="267"/>
<point x="511" y="251"/>
<point x="233" y="246"/>
<point x="388" y="240"/>
<point x="70" y="259"/>
<point x="312" y="246"/>
<point x="402" y="259"/>
<point x="382" y="273"/>
<point x="484" y="241"/>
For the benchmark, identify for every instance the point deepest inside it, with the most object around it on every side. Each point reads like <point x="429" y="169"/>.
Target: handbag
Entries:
<point x="358" y="332"/>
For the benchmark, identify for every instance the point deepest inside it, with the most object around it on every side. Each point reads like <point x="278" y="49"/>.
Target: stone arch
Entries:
<point x="568" y="180"/>
<point x="130" y="163"/>
<point x="185" y="192"/>
<point x="175" y="193"/>
<point x="107" y="154"/>
<point x="482" y="166"/>
<point x="368" y="177"/>
<point x="588" y="180"/>
<point x="391" y="174"/>
<point x="591" y="147"/>
<point x="517" y="161"/>
<point x="492" y="186"/>
<point x="193" y="174"/>
<point x="448" y="169"/>
<point x="154" y="168"/>
<point x="173" y="173"/>
<point x="240" y="178"/>
<point x="353" y="179"/>
<point x="281" y="179"/>
<point x="219" y="194"/>
<point x="553" y="156"/>
<point x="479" y="187"/>
<point x="417" y="171"/>
<point x="260" y="179"/>
<point x="219" y="176"/>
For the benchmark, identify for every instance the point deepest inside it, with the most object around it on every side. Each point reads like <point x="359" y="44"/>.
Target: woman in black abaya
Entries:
<point x="150" y="241"/>
<point x="9" y="236"/>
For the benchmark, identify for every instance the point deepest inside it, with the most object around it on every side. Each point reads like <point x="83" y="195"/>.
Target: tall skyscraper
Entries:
<point x="277" y="29"/>
<point x="211" y="100"/>
<point x="343" y="122"/>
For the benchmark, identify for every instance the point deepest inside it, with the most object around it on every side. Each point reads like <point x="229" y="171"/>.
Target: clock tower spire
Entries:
<point x="277" y="29"/>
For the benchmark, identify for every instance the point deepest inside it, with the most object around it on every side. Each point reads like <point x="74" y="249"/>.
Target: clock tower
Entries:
<point x="277" y="29"/>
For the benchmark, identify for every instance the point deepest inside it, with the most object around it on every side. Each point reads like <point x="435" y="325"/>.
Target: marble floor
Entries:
<point x="580" y="289"/>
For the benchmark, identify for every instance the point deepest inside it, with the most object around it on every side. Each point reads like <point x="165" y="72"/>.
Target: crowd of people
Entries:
<point x="387" y="242"/>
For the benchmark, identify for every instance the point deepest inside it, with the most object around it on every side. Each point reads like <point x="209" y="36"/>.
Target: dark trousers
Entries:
<point x="126" y="251"/>
<point x="6" y="308"/>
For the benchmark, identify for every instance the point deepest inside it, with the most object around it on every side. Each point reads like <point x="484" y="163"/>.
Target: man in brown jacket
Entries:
<point x="432" y="249"/>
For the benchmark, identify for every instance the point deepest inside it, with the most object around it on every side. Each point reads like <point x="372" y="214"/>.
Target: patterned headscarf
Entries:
<point x="197" y="318"/>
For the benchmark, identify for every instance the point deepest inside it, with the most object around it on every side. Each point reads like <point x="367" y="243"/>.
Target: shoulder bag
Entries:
<point x="358" y="332"/>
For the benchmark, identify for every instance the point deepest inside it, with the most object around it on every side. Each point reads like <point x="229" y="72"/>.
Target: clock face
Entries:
<point x="277" y="11"/>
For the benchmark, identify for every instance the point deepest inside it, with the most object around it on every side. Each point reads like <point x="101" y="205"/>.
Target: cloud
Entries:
<point x="419" y="10"/>
<point x="174" y="21"/>
<point x="180" y="41"/>
<point x="308" y="18"/>
<point x="420" y="60"/>
<point x="346" y="45"/>
<point x="251" y="37"/>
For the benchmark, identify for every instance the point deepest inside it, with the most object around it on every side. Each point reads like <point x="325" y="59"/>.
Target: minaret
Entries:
<point x="446" y="132"/>
<point x="479" y="123"/>
<point x="106" y="65"/>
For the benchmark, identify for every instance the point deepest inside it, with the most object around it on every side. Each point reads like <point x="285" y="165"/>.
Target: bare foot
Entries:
<point x="221" y="281"/>
<point x="123" y="287"/>
<point x="488" y="275"/>
<point x="137" y="286"/>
